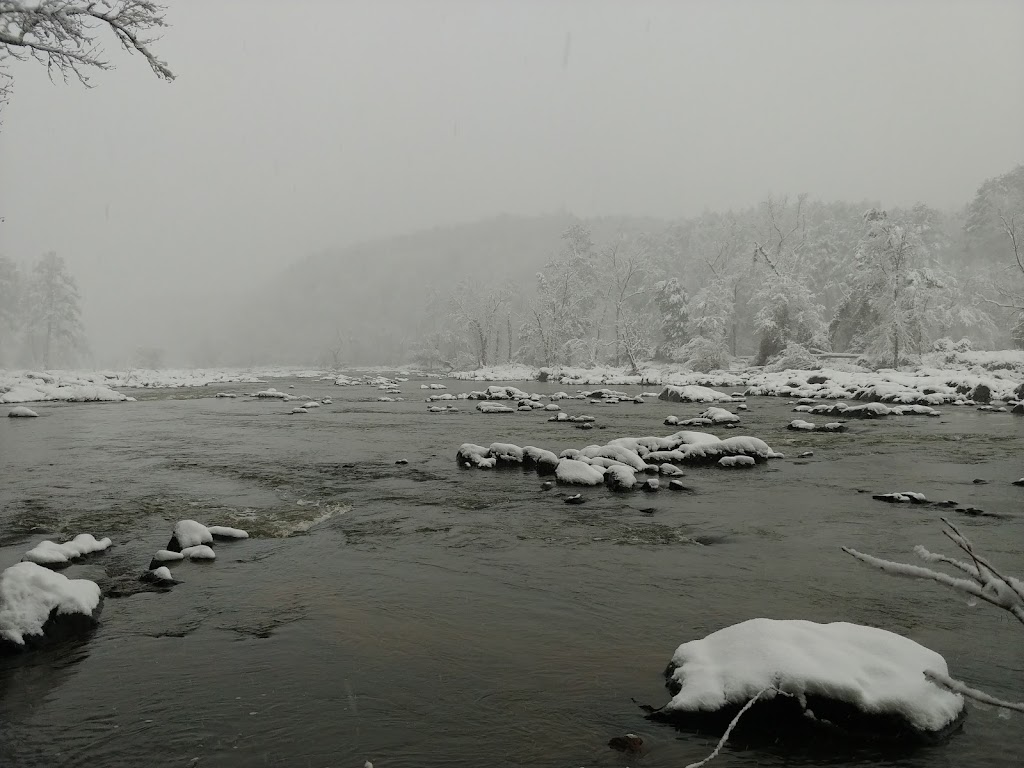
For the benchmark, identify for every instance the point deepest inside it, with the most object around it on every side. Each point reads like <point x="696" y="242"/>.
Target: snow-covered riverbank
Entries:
<point x="940" y="378"/>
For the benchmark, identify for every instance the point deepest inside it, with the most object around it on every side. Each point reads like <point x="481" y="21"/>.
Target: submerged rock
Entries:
<point x="577" y="499"/>
<point x="628" y="743"/>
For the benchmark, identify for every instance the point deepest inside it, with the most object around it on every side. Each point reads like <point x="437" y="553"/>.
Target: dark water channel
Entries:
<point x="423" y="615"/>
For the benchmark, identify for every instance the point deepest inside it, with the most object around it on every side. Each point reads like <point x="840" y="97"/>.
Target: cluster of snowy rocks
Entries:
<point x="619" y="462"/>
<point x="34" y="387"/>
<point x="925" y="385"/>
<point x="38" y="604"/>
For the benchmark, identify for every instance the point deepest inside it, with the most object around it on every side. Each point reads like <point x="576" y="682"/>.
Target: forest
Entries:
<point x="880" y="285"/>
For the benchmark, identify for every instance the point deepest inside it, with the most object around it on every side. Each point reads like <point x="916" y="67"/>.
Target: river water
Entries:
<point x="426" y="615"/>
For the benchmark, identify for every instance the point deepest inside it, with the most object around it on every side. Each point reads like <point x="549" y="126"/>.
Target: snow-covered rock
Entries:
<point x="620" y="477"/>
<point x="494" y="408"/>
<point x="719" y="416"/>
<point x="189" y="533"/>
<point x="37" y="603"/>
<point x="736" y="461"/>
<point x="21" y="412"/>
<point x="160" y="575"/>
<point x="199" y="552"/>
<point x="224" y="533"/>
<point x="693" y="394"/>
<point x="51" y="554"/>
<point x="577" y="472"/>
<point x="822" y="667"/>
<point x="902" y="497"/>
<point x="505" y="453"/>
<point x="545" y="461"/>
<point x="473" y="455"/>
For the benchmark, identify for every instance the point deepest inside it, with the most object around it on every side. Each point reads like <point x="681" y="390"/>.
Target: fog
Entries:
<point x="300" y="128"/>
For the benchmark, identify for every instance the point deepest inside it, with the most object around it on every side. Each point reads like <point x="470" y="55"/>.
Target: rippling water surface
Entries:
<point x="425" y="615"/>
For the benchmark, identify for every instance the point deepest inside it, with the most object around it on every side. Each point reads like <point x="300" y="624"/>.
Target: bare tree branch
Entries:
<point x="63" y="36"/>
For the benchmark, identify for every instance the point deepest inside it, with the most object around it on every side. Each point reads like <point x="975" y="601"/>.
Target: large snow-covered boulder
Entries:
<point x="189" y="533"/>
<point x="719" y="416"/>
<point x="693" y="394"/>
<point x="851" y="676"/>
<point x="55" y="555"/>
<point x="620" y="477"/>
<point x="545" y="461"/>
<point x="37" y="605"/>
<point x="505" y="453"/>
<point x="473" y="455"/>
<point x="21" y="412"/>
<point x="577" y="472"/>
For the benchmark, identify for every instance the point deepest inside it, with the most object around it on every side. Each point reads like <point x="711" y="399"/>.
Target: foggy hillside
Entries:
<point x="370" y="299"/>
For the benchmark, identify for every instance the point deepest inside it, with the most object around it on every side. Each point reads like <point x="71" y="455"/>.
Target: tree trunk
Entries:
<point x="508" y="334"/>
<point x="46" y="343"/>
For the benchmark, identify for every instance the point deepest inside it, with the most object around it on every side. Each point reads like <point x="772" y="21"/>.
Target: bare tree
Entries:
<point x="64" y="35"/>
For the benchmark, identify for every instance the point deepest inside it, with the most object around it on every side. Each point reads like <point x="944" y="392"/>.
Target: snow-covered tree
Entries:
<point x="479" y="311"/>
<point x="673" y="317"/>
<point x="624" y="269"/>
<point x="559" y="323"/>
<point x="10" y="300"/>
<point x="52" y="313"/>
<point x="900" y="292"/>
<point x="66" y="36"/>
<point x="787" y="309"/>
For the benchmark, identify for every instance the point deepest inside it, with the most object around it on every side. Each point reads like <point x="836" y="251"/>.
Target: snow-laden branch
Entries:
<point x="956" y="686"/>
<point x="984" y="581"/>
<point x="62" y="35"/>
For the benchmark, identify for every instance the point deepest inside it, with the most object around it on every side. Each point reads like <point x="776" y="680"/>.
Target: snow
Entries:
<point x="505" y="453"/>
<point x="161" y="574"/>
<point x="199" y="552"/>
<point x="494" y="408"/>
<point x="166" y="556"/>
<point x="736" y="461"/>
<point x="51" y="553"/>
<point x="693" y="394"/>
<point x="29" y="593"/>
<point x="21" y="412"/>
<point x="578" y="473"/>
<point x="190" y="533"/>
<point x="800" y="424"/>
<point x="719" y="416"/>
<point x="32" y="387"/>
<point x="620" y="477"/>
<point x="878" y="672"/>
<point x="224" y="532"/>
<point x="299" y="410"/>
<point x="475" y="455"/>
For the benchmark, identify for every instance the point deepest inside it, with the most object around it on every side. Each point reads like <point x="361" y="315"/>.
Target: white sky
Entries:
<point x="309" y="124"/>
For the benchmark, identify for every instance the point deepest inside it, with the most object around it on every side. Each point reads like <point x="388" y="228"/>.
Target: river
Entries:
<point x="425" y="615"/>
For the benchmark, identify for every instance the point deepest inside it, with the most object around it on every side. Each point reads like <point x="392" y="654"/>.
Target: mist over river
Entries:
<point x="426" y="615"/>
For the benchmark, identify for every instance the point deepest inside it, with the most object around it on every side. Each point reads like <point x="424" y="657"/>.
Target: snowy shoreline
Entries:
<point x="975" y="376"/>
<point x="940" y="379"/>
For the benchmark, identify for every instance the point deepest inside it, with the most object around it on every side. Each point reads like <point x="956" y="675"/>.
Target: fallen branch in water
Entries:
<point x="732" y="724"/>
<point x="985" y="582"/>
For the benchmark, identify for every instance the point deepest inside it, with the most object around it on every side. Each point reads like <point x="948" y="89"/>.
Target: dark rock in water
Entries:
<point x="730" y="426"/>
<point x="981" y="394"/>
<point x="58" y="628"/>
<point x="979" y="481"/>
<point x="817" y="378"/>
<point x="975" y="512"/>
<point x="900" y="498"/>
<point x="649" y="510"/>
<point x="577" y="499"/>
<point x="628" y="743"/>
<point x="1019" y="482"/>
<point x="1019" y="391"/>
<point x="1018" y="408"/>
<point x="650" y="485"/>
<point x="547" y="485"/>
<point x="946" y="503"/>
<point x="585" y="426"/>
<point x="402" y="461"/>
<point x="677" y="485"/>
<point x="805" y="455"/>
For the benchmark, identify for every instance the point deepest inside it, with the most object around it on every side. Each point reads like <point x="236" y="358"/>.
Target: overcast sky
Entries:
<point x="308" y="124"/>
